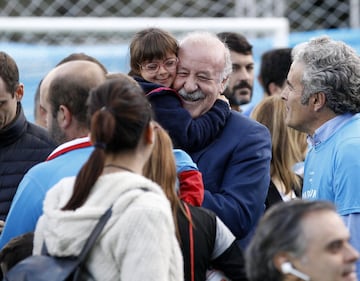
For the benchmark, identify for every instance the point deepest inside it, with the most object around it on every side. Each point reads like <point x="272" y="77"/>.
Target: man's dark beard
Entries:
<point x="241" y="85"/>
<point x="231" y="97"/>
<point x="56" y="133"/>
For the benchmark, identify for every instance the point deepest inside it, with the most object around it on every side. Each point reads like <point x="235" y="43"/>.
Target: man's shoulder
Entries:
<point x="239" y="133"/>
<point x="237" y="116"/>
<point x="39" y="135"/>
<point x="238" y="120"/>
<point x="352" y="127"/>
<point x="347" y="137"/>
<point x="63" y="165"/>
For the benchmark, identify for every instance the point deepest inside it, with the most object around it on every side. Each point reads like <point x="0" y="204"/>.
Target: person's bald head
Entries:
<point x="68" y="85"/>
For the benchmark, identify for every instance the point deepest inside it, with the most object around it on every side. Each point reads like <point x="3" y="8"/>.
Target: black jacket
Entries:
<point x="22" y="145"/>
<point x="273" y="195"/>
<point x="231" y="261"/>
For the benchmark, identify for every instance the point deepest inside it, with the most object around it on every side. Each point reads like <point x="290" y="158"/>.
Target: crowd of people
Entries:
<point x="199" y="190"/>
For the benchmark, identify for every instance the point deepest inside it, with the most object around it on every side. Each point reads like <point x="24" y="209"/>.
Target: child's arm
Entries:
<point x="187" y="133"/>
<point x="191" y="186"/>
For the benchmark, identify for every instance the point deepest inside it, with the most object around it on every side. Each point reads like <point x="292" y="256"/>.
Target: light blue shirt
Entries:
<point x="332" y="170"/>
<point x="328" y="129"/>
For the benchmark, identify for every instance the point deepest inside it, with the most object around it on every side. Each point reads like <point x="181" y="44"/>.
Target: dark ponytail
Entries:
<point x="120" y="114"/>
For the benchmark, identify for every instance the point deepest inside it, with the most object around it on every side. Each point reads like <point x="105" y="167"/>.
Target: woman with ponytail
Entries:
<point x="139" y="241"/>
<point x="209" y="248"/>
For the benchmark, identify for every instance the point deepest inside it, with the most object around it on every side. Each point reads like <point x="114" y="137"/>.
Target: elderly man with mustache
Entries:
<point x="236" y="164"/>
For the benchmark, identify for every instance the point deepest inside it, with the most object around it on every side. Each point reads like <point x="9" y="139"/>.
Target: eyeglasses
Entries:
<point x="153" y="67"/>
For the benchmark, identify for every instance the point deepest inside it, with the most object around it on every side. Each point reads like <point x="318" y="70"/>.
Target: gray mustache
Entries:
<point x="191" y="96"/>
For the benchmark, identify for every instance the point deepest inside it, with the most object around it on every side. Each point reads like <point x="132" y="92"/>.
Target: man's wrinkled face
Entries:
<point x="198" y="79"/>
<point x="298" y="116"/>
<point x="241" y="80"/>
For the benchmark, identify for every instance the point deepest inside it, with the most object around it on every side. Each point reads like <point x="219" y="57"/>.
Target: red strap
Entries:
<point x="191" y="242"/>
<point x="157" y="90"/>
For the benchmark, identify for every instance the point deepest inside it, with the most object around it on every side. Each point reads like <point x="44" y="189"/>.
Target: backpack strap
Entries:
<point x="95" y="234"/>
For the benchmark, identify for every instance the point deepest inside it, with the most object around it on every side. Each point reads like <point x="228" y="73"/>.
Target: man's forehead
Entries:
<point x="44" y="86"/>
<point x="295" y="74"/>
<point x="200" y="57"/>
<point x="239" y="58"/>
<point x="297" y="67"/>
<point x="323" y="227"/>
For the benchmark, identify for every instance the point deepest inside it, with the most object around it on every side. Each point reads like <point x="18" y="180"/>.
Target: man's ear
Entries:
<point x="64" y="117"/>
<point x="318" y="101"/>
<point x="274" y="89"/>
<point x="19" y="92"/>
<point x="223" y="84"/>
<point x="279" y="259"/>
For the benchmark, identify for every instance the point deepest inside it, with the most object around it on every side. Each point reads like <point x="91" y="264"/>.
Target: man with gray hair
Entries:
<point x="322" y="97"/>
<point x="301" y="240"/>
<point x="236" y="164"/>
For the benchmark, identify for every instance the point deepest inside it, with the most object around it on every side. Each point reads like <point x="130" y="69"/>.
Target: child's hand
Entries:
<point x="2" y="223"/>
<point x="222" y="97"/>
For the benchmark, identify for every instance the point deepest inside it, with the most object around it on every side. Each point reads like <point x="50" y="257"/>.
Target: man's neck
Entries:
<point x="319" y="120"/>
<point x="76" y="132"/>
<point x="236" y="107"/>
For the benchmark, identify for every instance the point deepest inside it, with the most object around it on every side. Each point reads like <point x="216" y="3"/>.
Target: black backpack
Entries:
<point x="45" y="267"/>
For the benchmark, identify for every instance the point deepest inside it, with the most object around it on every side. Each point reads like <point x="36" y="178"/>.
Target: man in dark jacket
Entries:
<point x="236" y="164"/>
<point x="63" y="94"/>
<point x="22" y="144"/>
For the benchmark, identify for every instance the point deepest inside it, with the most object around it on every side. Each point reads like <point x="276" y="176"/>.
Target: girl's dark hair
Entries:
<point x="149" y="44"/>
<point x="119" y="114"/>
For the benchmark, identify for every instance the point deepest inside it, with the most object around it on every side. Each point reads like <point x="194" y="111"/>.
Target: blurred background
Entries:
<point x="39" y="46"/>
